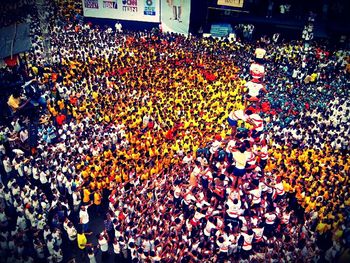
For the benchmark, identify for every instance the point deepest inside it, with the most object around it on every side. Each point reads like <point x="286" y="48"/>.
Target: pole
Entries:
<point x="160" y="13"/>
<point x="13" y="40"/>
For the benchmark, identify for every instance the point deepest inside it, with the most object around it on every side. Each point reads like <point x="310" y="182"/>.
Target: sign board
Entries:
<point x="135" y="10"/>
<point x="233" y="3"/>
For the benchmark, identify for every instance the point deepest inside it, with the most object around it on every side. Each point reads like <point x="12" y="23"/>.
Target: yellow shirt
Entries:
<point x="95" y="95"/>
<point x="97" y="198"/>
<point x="84" y="174"/>
<point x="14" y="103"/>
<point x="82" y="240"/>
<point x="313" y="77"/>
<point x="86" y="196"/>
<point x="322" y="227"/>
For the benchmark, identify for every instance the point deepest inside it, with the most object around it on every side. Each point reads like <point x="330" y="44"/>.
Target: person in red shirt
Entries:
<point x="265" y="106"/>
<point x="253" y="108"/>
<point x="170" y="134"/>
<point x="60" y="119"/>
<point x="73" y="100"/>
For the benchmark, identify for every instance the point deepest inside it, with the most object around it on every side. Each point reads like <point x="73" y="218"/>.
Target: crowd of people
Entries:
<point x="15" y="11"/>
<point x="191" y="149"/>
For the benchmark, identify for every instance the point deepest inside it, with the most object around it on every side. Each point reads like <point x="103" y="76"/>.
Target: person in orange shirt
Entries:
<point x="97" y="201"/>
<point x="86" y="196"/>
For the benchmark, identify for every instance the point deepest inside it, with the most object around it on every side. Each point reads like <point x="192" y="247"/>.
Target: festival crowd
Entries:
<point x="190" y="149"/>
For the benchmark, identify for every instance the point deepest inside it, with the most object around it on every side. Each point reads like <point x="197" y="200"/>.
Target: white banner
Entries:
<point x="175" y="16"/>
<point x="136" y="10"/>
<point x="233" y="3"/>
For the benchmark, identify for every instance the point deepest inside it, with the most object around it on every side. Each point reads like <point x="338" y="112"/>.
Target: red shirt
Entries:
<point x="307" y="106"/>
<point x="73" y="100"/>
<point x="252" y="109"/>
<point x="60" y="119"/>
<point x="170" y="134"/>
<point x="265" y="106"/>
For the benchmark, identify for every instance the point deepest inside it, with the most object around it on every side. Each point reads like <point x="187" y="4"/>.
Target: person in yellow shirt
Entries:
<point x="92" y="185"/>
<point x="95" y="95"/>
<point x="15" y="103"/>
<point x="82" y="239"/>
<point x="86" y="196"/>
<point x="97" y="201"/>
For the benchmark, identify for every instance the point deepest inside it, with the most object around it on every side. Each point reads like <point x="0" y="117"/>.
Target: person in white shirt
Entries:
<point x="39" y="248"/>
<point x="270" y="220"/>
<point x="91" y="255"/>
<point x="260" y="53"/>
<point x="256" y="121"/>
<point x="84" y="217"/>
<point x="71" y="232"/>
<point x="103" y="244"/>
<point x="145" y="120"/>
<point x="57" y="254"/>
<point x="233" y="209"/>
<point x="50" y="243"/>
<point x="247" y="240"/>
<point x="188" y="158"/>
<point x="21" y="222"/>
<point x="76" y="200"/>
<point x="255" y="90"/>
<point x="259" y="233"/>
<point x="257" y="71"/>
<point x="116" y="250"/>
<point x="233" y="119"/>
<point x="240" y="159"/>
<point x="209" y="227"/>
<point x="278" y="190"/>
<point x="223" y="244"/>
<point x="118" y="27"/>
<point x="3" y="218"/>
<point x="214" y="148"/>
<point x="255" y="197"/>
<point x="7" y="165"/>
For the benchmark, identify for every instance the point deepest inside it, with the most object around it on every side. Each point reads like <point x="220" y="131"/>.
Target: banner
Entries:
<point x="10" y="45"/>
<point x="136" y="10"/>
<point x="233" y="3"/>
<point x="175" y="16"/>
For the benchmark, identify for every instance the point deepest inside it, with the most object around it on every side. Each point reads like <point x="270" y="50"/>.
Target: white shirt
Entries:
<point x="224" y="245"/>
<point x="58" y="255"/>
<point x="260" y="53"/>
<point x="3" y="217"/>
<point x="43" y="178"/>
<point x="247" y="244"/>
<point x="208" y="228"/>
<point x="50" y="245"/>
<point x="116" y="248"/>
<point x="259" y="232"/>
<point x="254" y="88"/>
<point x="72" y="233"/>
<point x="103" y="244"/>
<point x="237" y="115"/>
<point x="187" y="159"/>
<point x="256" y="195"/>
<point x="234" y="210"/>
<point x="240" y="159"/>
<point x="215" y="146"/>
<point x="257" y="71"/>
<point x="76" y="198"/>
<point x="270" y="218"/>
<point x="7" y="165"/>
<point x="279" y="188"/>
<point x="231" y="146"/>
<point x="92" y="258"/>
<point x="84" y="216"/>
